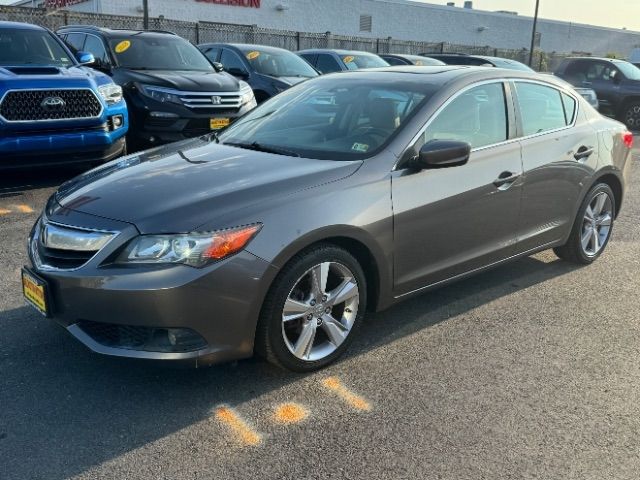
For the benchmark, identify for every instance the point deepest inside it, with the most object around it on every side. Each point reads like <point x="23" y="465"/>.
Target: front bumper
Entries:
<point x="156" y="123"/>
<point x="43" y="143"/>
<point x="221" y="302"/>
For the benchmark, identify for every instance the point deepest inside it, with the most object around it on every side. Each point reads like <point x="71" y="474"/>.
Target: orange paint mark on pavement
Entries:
<point x="353" y="399"/>
<point x="4" y="211"/>
<point x="24" y="208"/>
<point x="290" y="413"/>
<point x="238" y="426"/>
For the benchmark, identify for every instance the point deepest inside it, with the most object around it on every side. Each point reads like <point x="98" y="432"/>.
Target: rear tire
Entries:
<point x="307" y="324"/>
<point x="631" y="116"/>
<point x="592" y="227"/>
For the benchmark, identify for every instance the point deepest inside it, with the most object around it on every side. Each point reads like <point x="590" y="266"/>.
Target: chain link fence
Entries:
<point x="205" y="32"/>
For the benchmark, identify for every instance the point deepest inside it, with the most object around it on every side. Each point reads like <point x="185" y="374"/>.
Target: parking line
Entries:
<point x="290" y="413"/>
<point x="356" y="401"/>
<point x="232" y="420"/>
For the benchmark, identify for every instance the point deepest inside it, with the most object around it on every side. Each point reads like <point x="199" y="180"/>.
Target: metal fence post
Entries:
<point x="328" y="39"/>
<point x="298" y="41"/>
<point x="441" y="47"/>
<point x="197" y="29"/>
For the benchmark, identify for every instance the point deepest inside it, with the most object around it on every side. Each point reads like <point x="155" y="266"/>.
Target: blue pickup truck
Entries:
<point x="54" y="110"/>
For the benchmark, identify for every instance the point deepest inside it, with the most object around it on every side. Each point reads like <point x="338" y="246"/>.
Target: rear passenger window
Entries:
<point x="569" y="108"/>
<point x="478" y="117"/>
<point x="541" y="108"/>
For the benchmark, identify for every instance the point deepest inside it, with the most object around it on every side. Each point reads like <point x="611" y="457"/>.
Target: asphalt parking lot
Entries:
<point x="531" y="370"/>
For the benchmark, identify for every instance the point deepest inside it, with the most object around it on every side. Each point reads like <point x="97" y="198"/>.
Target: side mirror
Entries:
<point x="85" y="58"/>
<point x="441" y="154"/>
<point x="238" y="72"/>
<point x="218" y="67"/>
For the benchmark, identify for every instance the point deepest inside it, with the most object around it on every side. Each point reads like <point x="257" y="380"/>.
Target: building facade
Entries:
<point x="399" y="19"/>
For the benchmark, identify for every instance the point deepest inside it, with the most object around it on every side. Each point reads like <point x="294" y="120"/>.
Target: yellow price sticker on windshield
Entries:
<point x="253" y="55"/>
<point x="419" y="63"/>
<point x="123" y="46"/>
<point x="348" y="59"/>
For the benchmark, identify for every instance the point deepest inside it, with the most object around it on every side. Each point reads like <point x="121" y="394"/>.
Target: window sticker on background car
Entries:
<point x="348" y="59"/>
<point x="360" y="147"/>
<point x="419" y="63"/>
<point x="253" y="55"/>
<point x="123" y="46"/>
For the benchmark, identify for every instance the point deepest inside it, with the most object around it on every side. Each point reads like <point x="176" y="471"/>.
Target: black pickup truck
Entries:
<point x="616" y="82"/>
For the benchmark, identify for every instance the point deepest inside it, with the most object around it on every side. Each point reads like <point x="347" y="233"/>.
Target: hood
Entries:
<point x="188" y="81"/>
<point x="34" y="76"/>
<point x="177" y="188"/>
<point x="291" y="81"/>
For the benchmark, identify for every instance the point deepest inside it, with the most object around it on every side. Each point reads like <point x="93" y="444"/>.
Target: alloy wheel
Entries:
<point x="320" y="311"/>
<point x="632" y="117"/>
<point x="596" y="225"/>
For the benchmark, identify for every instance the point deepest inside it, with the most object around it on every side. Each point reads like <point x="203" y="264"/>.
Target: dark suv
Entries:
<point x="172" y="90"/>
<point x="616" y="82"/>
<point x="269" y="70"/>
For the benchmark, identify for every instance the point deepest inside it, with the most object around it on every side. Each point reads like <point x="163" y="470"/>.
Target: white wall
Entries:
<point x="403" y="20"/>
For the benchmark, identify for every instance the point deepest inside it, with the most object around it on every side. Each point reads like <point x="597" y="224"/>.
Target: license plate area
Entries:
<point x="219" y="123"/>
<point x="36" y="292"/>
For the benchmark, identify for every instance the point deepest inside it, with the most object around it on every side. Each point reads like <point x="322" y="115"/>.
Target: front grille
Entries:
<point x="218" y="102"/>
<point x="63" y="259"/>
<point x="149" y="339"/>
<point x="62" y="247"/>
<point x="43" y="105"/>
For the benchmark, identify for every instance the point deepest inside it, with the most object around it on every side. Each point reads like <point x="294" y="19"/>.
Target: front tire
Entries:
<point x="592" y="228"/>
<point x="312" y="309"/>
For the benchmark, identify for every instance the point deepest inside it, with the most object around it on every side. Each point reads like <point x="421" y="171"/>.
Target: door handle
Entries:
<point x="505" y="180"/>
<point x="583" y="153"/>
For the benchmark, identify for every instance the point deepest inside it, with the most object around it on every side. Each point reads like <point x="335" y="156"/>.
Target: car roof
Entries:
<point x="336" y="51"/>
<point x="116" y="32"/>
<point x="20" y="25"/>
<point x="441" y="75"/>
<point x="246" y="46"/>
<point x="601" y="59"/>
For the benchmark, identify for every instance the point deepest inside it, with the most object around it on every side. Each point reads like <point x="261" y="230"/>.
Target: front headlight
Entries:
<point x="193" y="249"/>
<point x="246" y="94"/>
<point x="110" y="93"/>
<point x="160" y="94"/>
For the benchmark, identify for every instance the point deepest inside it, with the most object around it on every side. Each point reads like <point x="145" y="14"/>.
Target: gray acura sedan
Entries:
<point x="343" y="195"/>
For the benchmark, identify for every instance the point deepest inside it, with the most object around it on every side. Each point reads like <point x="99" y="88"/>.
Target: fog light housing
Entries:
<point x="117" y="121"/>
<point x="184" y="339"/>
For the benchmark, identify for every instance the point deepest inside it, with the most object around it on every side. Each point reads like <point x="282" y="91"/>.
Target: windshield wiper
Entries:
<point x="258" y="147"/>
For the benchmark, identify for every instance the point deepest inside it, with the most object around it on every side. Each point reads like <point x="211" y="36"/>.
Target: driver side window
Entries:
<point x="477" y="116"/>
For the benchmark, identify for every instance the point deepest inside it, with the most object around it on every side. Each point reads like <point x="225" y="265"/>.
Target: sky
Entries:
<point x="607" y="13"/>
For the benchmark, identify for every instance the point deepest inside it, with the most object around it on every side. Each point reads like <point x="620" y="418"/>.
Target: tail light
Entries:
<point x="627" y="138"/>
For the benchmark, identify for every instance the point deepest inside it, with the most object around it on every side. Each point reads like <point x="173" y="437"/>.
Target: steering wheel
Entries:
<point x="379" y="132"/>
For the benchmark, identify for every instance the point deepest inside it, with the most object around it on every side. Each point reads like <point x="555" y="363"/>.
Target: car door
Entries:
<point x="605" y="78"/>
<point x="559" y="154"/>
<point x="450" y="221"/>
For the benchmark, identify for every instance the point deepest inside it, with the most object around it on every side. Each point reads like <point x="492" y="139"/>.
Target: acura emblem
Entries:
<point x="53" y="104"/>
<point x="216" y="100"/>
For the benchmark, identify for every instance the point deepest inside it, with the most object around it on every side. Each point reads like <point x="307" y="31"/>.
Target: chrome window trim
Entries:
<point x="515" y="94"/>
<point x="33" y="246"/>
<point x="75" y="119"/>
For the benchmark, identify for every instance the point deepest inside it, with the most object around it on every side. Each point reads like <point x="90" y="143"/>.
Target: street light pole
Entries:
<point x="533" y="34"/>
<point x="145" y="14"/>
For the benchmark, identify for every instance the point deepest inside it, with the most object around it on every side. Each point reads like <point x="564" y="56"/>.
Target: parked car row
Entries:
<point x="148" y="88"/>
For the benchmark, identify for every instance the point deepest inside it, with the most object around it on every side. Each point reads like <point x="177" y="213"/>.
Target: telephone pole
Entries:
<point x="533" y="34"/>
<point x="145" y="14"/>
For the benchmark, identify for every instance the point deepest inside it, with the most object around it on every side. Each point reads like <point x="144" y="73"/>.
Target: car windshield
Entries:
<point x="166" y="52"/>
<point x="337" y="119"/>
<point x="20" y="46"/>
<point x="277" y="63"/>
<point x="356" y="61"/>
<point x="629" y="70"/>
